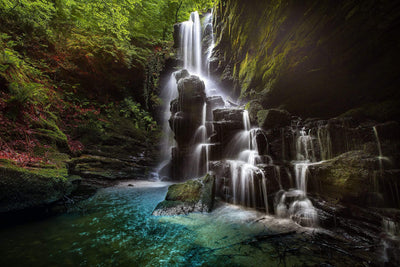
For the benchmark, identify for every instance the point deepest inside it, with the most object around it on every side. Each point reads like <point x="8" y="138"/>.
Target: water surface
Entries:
<point x="115" y="228"/>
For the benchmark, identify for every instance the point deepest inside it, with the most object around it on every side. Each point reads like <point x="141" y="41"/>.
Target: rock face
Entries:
<point x="191" y="196"/>
<point x="273" y="118"/>
<point x="186" y="118"/>
<point x="312" y="59"/>
<point x="90" y="166"/>
<point x="348" y="178"/>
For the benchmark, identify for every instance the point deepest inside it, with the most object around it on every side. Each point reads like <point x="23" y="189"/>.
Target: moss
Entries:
<point x="24" y="188"/>
<point x="189" y="191"/>
<point x="195" y="195"/>
<point x="47" y="170"/>
<point x="382" y="111"/>
<point x="348" y="177"/>
<point x="310" y="56"/>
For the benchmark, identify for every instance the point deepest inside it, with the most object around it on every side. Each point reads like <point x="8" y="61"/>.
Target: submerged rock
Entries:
<point x="195" y="195"/>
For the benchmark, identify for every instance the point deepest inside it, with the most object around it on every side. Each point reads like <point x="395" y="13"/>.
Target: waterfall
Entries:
<point x="194" y="126"/>
<point x="243" y="168"/>
<point x="169" y="92"/>
<point x="191" y="44"/>
<point x="294" y="203"/>
<point x="208" y="22"/>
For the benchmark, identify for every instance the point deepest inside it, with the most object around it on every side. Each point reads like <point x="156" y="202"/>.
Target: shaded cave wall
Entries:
<point x="312" y="58"/>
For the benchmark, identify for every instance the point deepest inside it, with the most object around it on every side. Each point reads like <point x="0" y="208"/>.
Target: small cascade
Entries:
<point x="381" y="158"/>
<point x="249" y="184"/>
<point x="390" y="238"/>
<point x="390" y="227"/>
<point x="294" y="203"/>
<point x="200" y="159"/>
<point x="208" y="28"/>
<point x="325" y="143"/>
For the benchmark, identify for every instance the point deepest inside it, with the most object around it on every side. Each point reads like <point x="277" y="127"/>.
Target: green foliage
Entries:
<point x="141" y="118"/>
<point x="81" y="70"/>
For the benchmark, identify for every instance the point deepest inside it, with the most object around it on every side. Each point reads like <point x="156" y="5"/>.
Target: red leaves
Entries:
<point x="74" y="145"/>
<point x="23" y="159"/>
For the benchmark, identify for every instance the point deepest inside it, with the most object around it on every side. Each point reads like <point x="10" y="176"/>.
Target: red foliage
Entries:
<point x="74" y="145"/>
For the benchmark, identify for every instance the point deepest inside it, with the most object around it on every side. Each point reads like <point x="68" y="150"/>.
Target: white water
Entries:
<point x="169" y="93"/>
<point x="246" y="176"/>
<point x="381" y="157"/>
<point x="191" y="44"/>
<point x="208" y="21"/>
<point x="294" y="203"/>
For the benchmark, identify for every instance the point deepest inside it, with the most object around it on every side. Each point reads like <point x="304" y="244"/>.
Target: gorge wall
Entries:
<point x="312" y="58"/>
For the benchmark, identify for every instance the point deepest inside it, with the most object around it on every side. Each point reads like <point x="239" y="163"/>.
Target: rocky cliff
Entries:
<point x="313" y="58"/>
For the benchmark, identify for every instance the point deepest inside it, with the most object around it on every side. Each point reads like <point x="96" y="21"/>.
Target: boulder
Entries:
<point x="195" y="195"/>
<point x="273" y="118"/>
<point x="22" y="188"/>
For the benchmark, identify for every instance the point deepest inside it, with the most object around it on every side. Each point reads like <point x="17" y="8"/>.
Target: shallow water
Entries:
<point x="115" y="228"/>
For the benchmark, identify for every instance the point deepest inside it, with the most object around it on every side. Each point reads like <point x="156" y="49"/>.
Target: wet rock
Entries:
<point x="273" y="118"/>
<point x="181" y="74"/>
<point x="228" y="114"/>
<point x="348" y="178"/>
<point x="214" y="102"/>
<point x="254" y="107"/>
<point x="191" y="90"/>
<point x="191" y="196"/>
<point x="185" y="120"/>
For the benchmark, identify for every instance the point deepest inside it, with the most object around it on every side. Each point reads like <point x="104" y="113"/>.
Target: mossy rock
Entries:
<point x="195" y="195"/>
<point x="253" y="107"/>
<point x="189" y="191"/>
<point x="349" y="178"/>
<point x="90" y="166"/>
<point x="273" y="118"/>
<point x="27" y="188"/>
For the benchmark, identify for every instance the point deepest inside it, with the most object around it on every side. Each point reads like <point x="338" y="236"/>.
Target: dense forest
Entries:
<point x="63" y="63"/>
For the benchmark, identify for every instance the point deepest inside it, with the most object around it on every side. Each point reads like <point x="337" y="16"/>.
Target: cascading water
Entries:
<point x="246" y="183"/>
<point x="169" y="92"/>
<point x="295" y="203"/>
<point x="381" y="158"/>
<point x="208" y="20"/>
<point x="243" y="168"/>
<point x="191" y="44"/>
